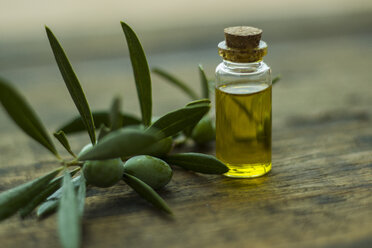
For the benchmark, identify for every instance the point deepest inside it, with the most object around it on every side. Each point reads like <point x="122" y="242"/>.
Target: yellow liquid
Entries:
<point x="243" y="128"/>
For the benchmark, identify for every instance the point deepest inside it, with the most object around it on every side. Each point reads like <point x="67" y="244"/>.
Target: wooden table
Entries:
<point x="318" y="194"/>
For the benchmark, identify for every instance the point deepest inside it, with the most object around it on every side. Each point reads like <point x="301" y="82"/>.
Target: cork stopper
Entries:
<point x="242" y="37"/>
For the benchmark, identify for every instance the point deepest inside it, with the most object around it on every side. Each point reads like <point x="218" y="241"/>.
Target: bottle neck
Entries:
<point x="250" y="55"/>
<point x="243" y="67"/>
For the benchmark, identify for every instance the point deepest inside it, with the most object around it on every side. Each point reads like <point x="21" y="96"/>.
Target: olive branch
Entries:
<point x="140" y="143"/>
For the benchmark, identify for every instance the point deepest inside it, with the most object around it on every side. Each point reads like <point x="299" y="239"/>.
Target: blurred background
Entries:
<point x="322" y="49"/>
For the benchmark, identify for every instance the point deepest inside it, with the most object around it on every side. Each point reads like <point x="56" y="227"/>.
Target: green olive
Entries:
<point x="105" y="173"/>
<point x="153" y="171"/>
<point x="204" y="131"/>
<point x="102" y="173"/>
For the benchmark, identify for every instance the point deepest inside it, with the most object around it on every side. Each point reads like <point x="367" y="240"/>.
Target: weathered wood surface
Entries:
<point x="318" y="194"/>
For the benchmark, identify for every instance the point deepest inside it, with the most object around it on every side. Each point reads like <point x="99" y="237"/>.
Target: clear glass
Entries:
<point x="243" y="118"/>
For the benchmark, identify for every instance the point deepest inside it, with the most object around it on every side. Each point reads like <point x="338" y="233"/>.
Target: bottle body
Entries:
<point x="243" y="118"/>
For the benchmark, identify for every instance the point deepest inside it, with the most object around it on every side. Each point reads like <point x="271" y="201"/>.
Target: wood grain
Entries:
<point x="318" y="194"/>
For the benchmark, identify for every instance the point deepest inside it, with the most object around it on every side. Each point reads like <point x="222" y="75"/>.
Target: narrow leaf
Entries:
<point x="116" y="119"/>
<point x="204" y="82"/>
<point x="100" y="117"/>
<point x="73" y="85"/>
<point x="197" y="162"/>
<point x="198" y="102"/>
<point x="141" y="73"/>
<point x="176" y="121"/>
<point x="50" y="189"/>
<point x="47" y="208"/>
<point x="69" y="222"/>
<point x="276" y="79"/>
<point x="123" y="142"/>
<point x="24" y="116"/>
<point x="188" y="130"/>
<point x="58" y="193"/>
<point x="177" y="82"/>
<point x="81" y="194"/>
<point x="146" y="192"/>
<point x="103" y="131"/>
<point x="51" y="204"/>
<point x="15" y="198"/>
<point x="61" y="137"/>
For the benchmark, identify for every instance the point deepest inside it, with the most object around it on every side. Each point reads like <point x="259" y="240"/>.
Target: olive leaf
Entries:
<point x="47" y="208"/>
<point x="50" y="189"/>
<point x="15" y="198"/>
<point x="58" y="193"/>
<point x="146" y="192"/>
<point x="100" y="117"/>
<point x="123" y="142"/>
<point x="198" y="102"/>
<point x="197" y="162"/>
<point x="61" y="137"/>
<point x="177" y="82"/>
<point x="141" y="73"/>
<point x="176" y="121"/>
<point x="188" y="130"/>
<point x="24" y="116"/>
<point x="69" y="222"/>
<point x="160" y="148"/>
<point x="103" y="131"/>
<point x="116" y="119"/>
<point x="204" y="82"/>
<point x="276" y="79"/>
<point x="73" y="85"/>
<point x="81" y="194"/>
<point x="52" y="202"/>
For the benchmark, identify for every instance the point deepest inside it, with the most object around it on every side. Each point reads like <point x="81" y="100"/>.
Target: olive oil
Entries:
<point x="243" y="103"/>
<point x="243" y="134"/>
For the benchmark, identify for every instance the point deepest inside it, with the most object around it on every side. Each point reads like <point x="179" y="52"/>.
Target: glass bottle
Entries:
<point x="243" y="104"/>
